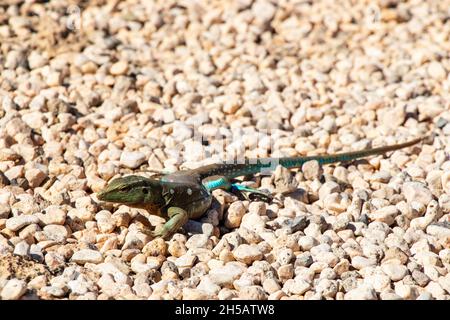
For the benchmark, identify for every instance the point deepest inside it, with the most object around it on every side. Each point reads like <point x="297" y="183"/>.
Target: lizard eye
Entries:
<point x="146" y="190"/>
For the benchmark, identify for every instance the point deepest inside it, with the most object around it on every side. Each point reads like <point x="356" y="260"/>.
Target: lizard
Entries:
<point x="186" y="194"/>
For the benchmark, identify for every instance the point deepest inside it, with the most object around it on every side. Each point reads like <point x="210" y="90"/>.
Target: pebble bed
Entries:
<point x="132" y="84"/>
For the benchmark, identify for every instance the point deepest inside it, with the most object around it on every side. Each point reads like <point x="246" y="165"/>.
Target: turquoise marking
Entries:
<point x="240" y="187"/>
<point x="215" y="184"/>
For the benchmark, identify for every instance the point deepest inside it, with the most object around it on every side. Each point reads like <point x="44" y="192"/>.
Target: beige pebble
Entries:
<point x="119" y="68"/>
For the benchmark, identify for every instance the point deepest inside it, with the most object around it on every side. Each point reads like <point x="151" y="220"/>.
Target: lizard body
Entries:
<point x="187" y="194"/>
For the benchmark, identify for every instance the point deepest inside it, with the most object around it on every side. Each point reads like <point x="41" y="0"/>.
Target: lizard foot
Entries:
<point x="177" y="218"/>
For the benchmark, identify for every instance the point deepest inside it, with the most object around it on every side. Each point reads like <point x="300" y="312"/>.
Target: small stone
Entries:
<point x="142" y="290"/>
<point x="155" y="248"/>
<point x="54" y="79"/>
<point x="304" y="260"/>
<point x="360" y="262"/>
<point x="416" y="191"/>
<point x="263" y="11"/>
<point x="436" y="71"/>
<point x="378" y="281"/>
<point x="297" y="286"/>
<point x="381" y="176"/>
<point x="140" y="265"/>
<point x="404" y="291"/>
<point x="284" y="180"/>
<point x="13" y="289"/>
<point x="258" y="208"/>
<point x="224" y="276"/>
<point x="54" y="291"/>
<point x="78" y="286"/>
<point x="247" y="253"/>
<point x="176" y="248"/>
<point x="185" y="261"/>
<point x="298" y="224"/>
<point x="87" y="256"/>
<point x="56" y="232"/>
<point x="22" y="249"/>
<point x="444" y="282"/>
<point x="270" y="286"/>
<point x="38" y="282"/>
<point x="307" y="242"/>
<point x="252" y="82"/>
<point x="328" y="188"/>
<point x="36" y="253"/>
<point x="252" y="293"/>
<point x="105" y="222"/>
<point x="18" y="222"/>
<point x="395" y="254"/>
<point x="168" y="116"/>
<point x="208" y="286"/>
<point x="119" y="68"/>
<point x="341" y="267"/>
<point x="386" y="214"/>
<point x="132" y="159"/>
<point x="361" y="293"/>
<point x="52" y="215"/>
<point x="327" y="288"/>
<point x="425" y="296"/>
<point x="253" y="222"/>
<point x="395" y="271"/>
<point x="327" y="257"/>
<point x="440" y="231"/>
<point x="195" y="294"/>
<point x="14" y="173"/>
<point x="54" y="260"/>
<point x="196" y="227"/>
<point x="277" y="295"/>
<point x="389" y="296"/>
<point x="234" y="215"/>
<point x="285" y="272"/>
<point x="36" y="60"/>
<point x="311" y="170"/>
<point x="9" y="155"/>
<point x="420" y="277"/>
<point x="198" y="241"/>
<point x="284" y="256"/>
<point x="436" y="290"/>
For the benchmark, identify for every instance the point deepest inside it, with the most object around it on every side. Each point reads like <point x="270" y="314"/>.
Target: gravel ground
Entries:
<point x="132" y="85"/>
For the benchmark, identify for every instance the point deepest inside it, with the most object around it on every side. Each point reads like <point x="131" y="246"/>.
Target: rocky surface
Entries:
<point x="131" y="86"/>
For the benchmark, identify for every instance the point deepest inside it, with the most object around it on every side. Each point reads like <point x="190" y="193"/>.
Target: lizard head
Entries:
<point x="131" y="190"/>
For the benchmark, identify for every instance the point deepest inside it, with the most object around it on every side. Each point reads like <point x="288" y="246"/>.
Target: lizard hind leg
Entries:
<point x="243" y="191"/>
<point x="177" y="218"/>
<point x="251" y="193"/>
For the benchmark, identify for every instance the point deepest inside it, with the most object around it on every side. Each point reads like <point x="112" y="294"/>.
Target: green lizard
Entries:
<point x="186" y="194"/>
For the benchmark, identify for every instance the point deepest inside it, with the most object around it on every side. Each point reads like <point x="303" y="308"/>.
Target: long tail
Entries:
<point x="346" y="156"/>
<point x="265" y="165"/>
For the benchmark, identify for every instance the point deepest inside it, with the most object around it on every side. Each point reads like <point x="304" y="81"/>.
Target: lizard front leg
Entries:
<point x="177" y="218"/>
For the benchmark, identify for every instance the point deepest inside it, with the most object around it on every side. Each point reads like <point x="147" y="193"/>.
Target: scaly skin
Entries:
<point x="187" y="194"/>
